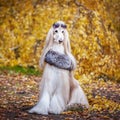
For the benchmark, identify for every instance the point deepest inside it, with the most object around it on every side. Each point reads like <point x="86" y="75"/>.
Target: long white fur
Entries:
<point x="58" y="87"/>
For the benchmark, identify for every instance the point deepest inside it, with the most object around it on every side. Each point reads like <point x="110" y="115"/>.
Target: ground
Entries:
<point x="20" y="92"/>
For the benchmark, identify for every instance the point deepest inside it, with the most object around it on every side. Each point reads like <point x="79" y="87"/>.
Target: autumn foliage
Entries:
<point x="24" y="25"/>
<point x="94" y="29"/>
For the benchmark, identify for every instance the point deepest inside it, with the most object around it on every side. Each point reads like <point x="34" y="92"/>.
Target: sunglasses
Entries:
<point x="56" y="25"/>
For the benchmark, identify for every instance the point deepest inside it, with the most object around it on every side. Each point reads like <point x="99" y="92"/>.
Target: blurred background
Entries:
<point x="93" y="25"/>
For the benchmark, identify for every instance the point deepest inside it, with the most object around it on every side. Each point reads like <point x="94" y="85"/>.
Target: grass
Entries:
<point x="19" y="70"/>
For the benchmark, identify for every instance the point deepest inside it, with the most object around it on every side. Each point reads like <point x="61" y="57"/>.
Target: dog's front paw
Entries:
<point x="31" y="111"/>
<point x="37" y="110"/>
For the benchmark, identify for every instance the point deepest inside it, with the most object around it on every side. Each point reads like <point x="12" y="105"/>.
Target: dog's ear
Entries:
<point x="49" y="38"/>
<point x="68" y="49"/>
<point x="67" y="43"/>
<point x="48" y="44"/>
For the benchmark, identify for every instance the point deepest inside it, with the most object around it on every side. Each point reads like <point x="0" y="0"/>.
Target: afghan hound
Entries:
<point x="58" y="87"/>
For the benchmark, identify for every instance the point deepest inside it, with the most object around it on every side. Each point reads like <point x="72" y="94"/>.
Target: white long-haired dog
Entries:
<point x="58" y="87"/>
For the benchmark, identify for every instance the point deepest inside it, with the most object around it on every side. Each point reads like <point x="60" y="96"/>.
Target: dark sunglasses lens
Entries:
<point x="56" y="25"/>
<point x="63" y="26"/>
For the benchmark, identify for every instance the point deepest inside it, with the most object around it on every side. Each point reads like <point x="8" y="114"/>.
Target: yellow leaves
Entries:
<point x="92" y="4"/>
<point x="101" y="103"/>
<point x="85" y="79"/>
<point x="93" y="43"/>
<point x="67" y="112"/>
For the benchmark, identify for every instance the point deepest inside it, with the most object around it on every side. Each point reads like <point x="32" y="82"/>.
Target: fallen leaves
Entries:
<point x="20" y="92"/>
<point x="17" y="89"/>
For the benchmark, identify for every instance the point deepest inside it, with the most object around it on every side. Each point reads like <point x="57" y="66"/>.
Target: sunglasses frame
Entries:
<point x="57" y="25"/>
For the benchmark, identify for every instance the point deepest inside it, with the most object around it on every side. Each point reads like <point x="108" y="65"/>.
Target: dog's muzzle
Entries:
<point x="60" y="41"/>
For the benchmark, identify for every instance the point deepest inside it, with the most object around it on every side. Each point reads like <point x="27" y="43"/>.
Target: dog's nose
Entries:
<point x="60" y="41"/>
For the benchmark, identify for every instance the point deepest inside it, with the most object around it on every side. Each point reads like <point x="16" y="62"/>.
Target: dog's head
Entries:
<point x="58" y="33"/>
<point x="59" y="29"/>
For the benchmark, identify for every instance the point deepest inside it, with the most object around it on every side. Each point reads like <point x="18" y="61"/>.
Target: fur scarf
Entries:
<point x="59" y="60"/>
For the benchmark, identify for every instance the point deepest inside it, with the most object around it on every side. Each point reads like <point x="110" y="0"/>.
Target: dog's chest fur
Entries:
<point x="58" y="48"/>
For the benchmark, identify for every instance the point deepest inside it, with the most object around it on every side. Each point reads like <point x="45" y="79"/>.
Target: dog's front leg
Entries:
<point x="42" y="106"/>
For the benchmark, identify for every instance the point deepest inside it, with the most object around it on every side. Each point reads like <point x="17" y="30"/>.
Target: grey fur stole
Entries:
<point x="59" y="60"/>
